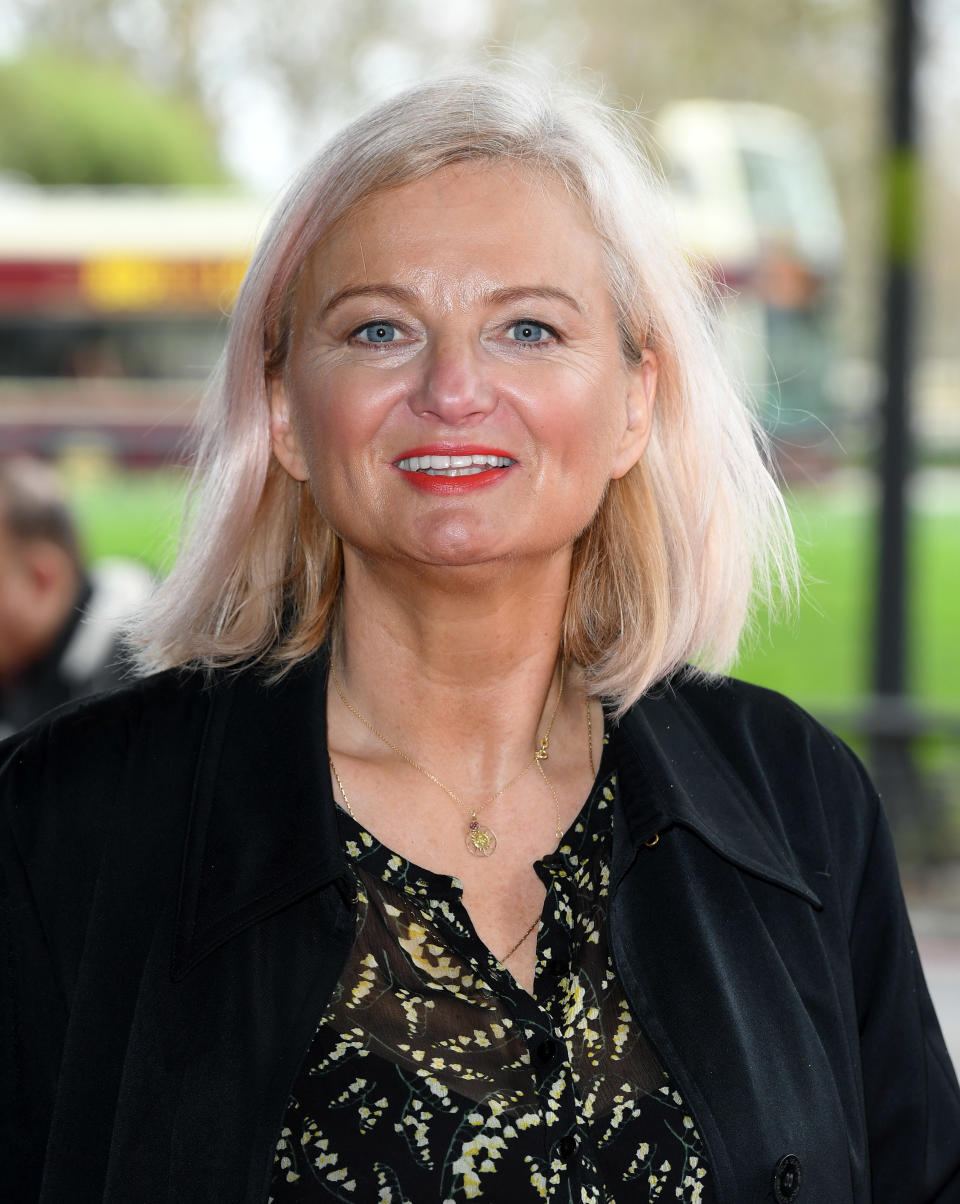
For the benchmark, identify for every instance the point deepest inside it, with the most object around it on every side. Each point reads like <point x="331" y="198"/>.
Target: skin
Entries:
<point x="469" y="309"/>
<point x="38" y="587"/>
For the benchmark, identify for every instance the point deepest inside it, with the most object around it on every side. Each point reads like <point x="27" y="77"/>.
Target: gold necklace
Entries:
<point x="346" y="802"/>
<point x="506" y="957"/>
<point x="480" y="839"/>
<point x="593" y="768"/>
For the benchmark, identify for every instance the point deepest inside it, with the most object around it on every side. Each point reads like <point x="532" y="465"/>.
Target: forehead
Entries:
<point x="485" y="224"/>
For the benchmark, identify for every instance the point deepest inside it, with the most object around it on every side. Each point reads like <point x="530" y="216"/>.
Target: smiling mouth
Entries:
<point x="454" y="466"/>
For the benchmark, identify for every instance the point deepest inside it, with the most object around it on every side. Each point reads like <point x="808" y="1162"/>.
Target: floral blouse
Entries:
<point x="433" y="1076"/>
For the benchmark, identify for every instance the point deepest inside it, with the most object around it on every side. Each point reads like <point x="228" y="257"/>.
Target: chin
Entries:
<point x="457" y="540"/>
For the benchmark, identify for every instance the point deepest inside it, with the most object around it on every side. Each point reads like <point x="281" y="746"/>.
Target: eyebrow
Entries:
<point x="500" y="296"/>
<point x="393" y="291"/>
<point x="546" y="292"/>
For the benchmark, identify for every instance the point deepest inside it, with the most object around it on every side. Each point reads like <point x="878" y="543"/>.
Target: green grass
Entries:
<point x="820" y="658"/>
<point x="134" y="514"/>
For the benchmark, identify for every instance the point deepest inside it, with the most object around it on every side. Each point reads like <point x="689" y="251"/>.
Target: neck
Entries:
<point x="456" y="667"/>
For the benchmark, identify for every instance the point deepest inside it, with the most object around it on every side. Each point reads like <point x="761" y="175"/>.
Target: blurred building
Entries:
<point x="113" y="301"/>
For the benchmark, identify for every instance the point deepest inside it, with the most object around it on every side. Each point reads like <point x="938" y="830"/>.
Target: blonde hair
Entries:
<point x="663" y="575"/>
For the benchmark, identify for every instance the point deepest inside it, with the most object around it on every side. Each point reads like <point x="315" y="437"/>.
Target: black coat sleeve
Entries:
<point x="34" y="1017"/>
<point x="910" y="1087"/>
<point x="52" y="832"/>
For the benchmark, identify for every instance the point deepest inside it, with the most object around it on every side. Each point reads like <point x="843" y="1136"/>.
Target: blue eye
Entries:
<point x="529" y="332"/>
<point x="375" y="332"/>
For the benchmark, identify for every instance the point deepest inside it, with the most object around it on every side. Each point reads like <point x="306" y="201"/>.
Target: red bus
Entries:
<point x="112" y="312"/>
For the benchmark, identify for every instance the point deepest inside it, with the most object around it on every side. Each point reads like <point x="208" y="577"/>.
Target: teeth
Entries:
<point x="453" y="466"/>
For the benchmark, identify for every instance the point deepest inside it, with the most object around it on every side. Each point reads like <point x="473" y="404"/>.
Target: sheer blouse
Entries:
<point x="433" y="1076"/>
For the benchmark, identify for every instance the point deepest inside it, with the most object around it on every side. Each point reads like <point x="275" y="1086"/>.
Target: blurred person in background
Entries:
<point x="59" y="622"/>
<point x="423" y="866"/>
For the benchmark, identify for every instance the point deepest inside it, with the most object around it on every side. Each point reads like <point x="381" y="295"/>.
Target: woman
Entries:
<point x="422" y="869"/>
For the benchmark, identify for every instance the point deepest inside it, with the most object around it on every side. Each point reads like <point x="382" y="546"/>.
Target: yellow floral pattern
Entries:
<point x="433" y="1076"/>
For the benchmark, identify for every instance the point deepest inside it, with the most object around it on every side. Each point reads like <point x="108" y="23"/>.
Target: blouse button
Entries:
<point x="546" y="1051"/>
<point x="567" y="1146"/>
<point x="786" y="1179"/>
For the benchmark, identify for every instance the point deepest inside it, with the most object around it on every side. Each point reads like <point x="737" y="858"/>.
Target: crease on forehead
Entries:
<point x="481" y="282"/>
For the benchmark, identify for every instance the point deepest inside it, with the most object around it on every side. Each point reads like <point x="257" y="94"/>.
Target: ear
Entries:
<point x="283" y="437"/>
<point x="641" y="398"/>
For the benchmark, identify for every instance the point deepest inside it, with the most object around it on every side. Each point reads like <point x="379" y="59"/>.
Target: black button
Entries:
<point x="786" y="1179"/>
<point x="567" y="1146"/>
<point x="546" y="1051"/>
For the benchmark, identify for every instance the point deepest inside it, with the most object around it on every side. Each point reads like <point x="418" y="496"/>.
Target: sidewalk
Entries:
<point x="934" y="904"/>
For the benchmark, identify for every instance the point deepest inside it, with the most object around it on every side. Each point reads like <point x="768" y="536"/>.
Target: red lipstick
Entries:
<point x="436" y="480"/>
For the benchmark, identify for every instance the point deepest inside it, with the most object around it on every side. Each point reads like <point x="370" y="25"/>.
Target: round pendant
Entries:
<point x="480" y="840"/>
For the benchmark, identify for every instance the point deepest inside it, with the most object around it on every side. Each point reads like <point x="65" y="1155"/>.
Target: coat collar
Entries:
<point x="263" y="831"/>
<point x="671" y="772"/>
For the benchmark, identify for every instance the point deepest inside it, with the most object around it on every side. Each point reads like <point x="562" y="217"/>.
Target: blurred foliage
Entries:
<point x="65" y="120"/>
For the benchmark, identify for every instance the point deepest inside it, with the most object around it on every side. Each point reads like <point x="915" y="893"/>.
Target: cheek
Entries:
<point x="344" y="412"/>
<point x="585" y="422"/>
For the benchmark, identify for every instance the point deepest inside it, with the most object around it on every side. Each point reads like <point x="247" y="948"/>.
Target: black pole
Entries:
<point x="892" y="759"/>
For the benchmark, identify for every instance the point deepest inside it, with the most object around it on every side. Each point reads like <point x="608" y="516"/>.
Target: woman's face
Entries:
<point x="454" y="390"/>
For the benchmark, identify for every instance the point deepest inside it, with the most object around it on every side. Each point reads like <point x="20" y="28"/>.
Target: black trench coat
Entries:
<point x="178" y="910"/>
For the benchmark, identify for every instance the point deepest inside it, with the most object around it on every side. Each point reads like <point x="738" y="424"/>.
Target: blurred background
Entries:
<point x="811" y="149"/>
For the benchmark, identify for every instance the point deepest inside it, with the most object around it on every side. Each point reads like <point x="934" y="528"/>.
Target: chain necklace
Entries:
<point x="346" y="801"/>
<point x="479" y="838"/>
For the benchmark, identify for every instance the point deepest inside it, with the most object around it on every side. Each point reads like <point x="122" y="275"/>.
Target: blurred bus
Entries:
<point x="112" y="301"/>
<point x="112" y="313"/>
<point x="754" y="198"/>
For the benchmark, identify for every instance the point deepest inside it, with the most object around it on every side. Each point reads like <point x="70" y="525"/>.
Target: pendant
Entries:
<point x="480" y="840"/>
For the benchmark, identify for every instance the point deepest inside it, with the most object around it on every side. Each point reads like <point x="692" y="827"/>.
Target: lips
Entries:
<point x="445" y="470"/>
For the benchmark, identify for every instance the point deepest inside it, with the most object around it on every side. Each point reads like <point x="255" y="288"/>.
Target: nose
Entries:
<point x="455" y="386"/>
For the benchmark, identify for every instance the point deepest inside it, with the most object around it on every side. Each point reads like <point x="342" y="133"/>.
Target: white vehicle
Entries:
<point x="754" y="198"/>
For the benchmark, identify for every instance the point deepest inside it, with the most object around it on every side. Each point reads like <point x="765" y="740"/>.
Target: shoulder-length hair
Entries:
<point x="662" y="576"/>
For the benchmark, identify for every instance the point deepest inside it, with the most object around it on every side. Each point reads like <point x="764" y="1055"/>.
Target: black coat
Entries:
<point x="178" y="911"/>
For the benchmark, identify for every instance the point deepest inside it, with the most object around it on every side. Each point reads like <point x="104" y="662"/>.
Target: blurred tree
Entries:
<point x="317" y="56"/>
<point x="65" y="120"/>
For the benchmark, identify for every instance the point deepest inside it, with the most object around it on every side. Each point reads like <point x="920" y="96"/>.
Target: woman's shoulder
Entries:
<point x="71" y="777"/>
<point x="778" y="765"/>
<point x="156" y="708"/>
<point x="750" y="723"/>
<point x="137" y="746"/>
<point x="81" y="732"/>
